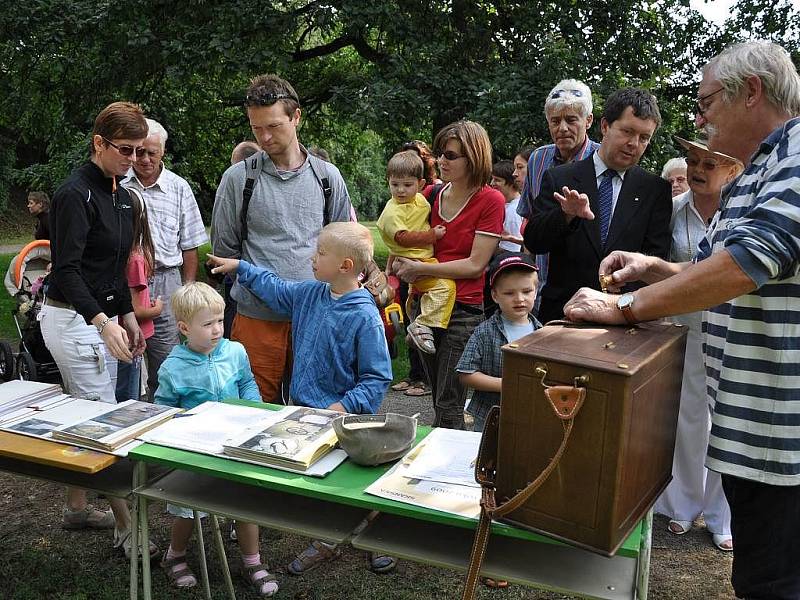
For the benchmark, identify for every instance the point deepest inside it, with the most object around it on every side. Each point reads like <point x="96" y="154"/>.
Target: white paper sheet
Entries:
<point x="448" y="456"/>
<point x="395" y="484"/>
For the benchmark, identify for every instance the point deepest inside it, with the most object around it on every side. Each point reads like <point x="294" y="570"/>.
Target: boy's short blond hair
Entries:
<point x="349" y="240"/>
<point x="191" y="298"/>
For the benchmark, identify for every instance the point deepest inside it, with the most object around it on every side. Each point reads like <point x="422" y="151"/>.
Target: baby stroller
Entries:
<point x="24" y="283"/>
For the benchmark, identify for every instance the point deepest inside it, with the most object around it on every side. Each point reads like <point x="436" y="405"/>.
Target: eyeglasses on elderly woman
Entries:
<point x="708" y="164"/>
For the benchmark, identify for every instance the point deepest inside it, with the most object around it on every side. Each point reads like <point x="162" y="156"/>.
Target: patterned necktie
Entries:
<point x="606" y="191"/>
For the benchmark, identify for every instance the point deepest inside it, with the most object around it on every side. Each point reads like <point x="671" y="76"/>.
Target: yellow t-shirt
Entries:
<point x="411" y="216"/>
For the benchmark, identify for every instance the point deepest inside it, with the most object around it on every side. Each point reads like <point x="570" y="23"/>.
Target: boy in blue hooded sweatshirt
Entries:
<point x="340" y="356"/>
<point x="206" y="368"/>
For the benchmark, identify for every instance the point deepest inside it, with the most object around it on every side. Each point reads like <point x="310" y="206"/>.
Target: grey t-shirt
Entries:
<point x="284" y="219"/>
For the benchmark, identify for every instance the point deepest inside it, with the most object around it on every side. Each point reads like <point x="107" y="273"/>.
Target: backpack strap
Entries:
<point x="320" y="170"/>
<point x="252" y="167"/>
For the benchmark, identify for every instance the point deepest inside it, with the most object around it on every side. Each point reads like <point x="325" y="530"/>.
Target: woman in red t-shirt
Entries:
<point x="472" y="213"/>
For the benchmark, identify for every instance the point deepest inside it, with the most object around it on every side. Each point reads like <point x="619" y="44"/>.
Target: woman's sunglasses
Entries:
<point x="125" y="149"/>
<point x="450" y="155"/>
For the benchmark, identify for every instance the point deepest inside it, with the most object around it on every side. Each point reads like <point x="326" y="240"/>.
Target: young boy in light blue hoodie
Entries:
<point x="206" y="368"/>
<point x="340" y="356"/>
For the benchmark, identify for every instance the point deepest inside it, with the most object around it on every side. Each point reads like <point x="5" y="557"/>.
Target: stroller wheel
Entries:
<point x="26" y="367"/>
<point x="6" y="362"/>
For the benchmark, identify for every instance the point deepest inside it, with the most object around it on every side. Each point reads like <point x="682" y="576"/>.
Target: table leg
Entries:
<point x="198" y="527"/>
<point x="643" y="562"/>
<point x="145" y="543"/>
<point x="139" y="477"/>
<point x="226" y="571"/>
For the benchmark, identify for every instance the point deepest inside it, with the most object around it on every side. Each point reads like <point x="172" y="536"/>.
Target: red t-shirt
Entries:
<point x="140" y="292"/>
<point x="483" y="214"/>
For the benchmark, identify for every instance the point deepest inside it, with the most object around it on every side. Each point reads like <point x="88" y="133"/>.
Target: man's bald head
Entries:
<point x="244" y="150"/>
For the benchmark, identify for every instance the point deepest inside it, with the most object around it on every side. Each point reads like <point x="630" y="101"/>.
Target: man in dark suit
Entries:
<point x="589" y="208"/>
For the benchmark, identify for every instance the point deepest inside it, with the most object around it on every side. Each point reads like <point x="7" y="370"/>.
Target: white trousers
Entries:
<point x="694" y="489"/>
<point x="86" y="367"/>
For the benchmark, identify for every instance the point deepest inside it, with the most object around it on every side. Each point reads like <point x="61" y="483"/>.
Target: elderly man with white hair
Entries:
<point x="745" y="278"/>
<point x="568" y="110"/>
<point x="177" y="231"/>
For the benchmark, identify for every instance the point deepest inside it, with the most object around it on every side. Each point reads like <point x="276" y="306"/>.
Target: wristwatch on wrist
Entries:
<point x="625" y="304"/>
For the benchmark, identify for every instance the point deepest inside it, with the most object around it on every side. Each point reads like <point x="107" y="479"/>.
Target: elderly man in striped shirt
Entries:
<point x="746" y="276"/>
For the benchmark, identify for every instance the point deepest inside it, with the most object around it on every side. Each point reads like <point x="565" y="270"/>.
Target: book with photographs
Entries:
<point x="297" y="441"/>
<point x="116" y="426"/>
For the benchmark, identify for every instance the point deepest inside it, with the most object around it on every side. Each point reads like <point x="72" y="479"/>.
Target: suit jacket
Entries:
<point x="640" y="223"/>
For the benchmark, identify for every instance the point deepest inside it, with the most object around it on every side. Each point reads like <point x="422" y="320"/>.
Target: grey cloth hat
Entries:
<point x="375" y="439"/>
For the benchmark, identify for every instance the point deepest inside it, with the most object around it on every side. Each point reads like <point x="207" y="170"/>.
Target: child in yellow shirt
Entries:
<point x="406" y="232"/>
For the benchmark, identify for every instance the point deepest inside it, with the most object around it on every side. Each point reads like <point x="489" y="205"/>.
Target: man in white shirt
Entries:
<point x="177" y="231"/>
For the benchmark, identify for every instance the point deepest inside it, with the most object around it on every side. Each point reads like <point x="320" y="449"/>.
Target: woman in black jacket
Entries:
<point x="88" y="321"/>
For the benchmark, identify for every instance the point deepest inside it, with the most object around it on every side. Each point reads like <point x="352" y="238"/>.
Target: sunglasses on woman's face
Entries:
<point x="450" y="155"/>
<point x="707" y="164"/>
<point x="125" y="149"/>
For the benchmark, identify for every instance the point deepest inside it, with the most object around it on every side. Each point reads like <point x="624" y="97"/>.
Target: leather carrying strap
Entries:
<point x="565" y="401"/>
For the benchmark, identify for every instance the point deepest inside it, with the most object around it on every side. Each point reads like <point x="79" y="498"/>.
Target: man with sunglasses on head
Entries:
<point x="587" y="209"/>
<point x="292" y="196"/>
<point x="568" y="110"/>
<point x="177" y="230"/>
<point x="745" y="277"/>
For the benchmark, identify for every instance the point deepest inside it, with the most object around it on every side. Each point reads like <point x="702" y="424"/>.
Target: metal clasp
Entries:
<point x="579" y="381"/>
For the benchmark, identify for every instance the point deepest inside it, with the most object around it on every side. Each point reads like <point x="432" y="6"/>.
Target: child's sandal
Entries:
<point x="258" y="583"/>
<point x="176" y="575"/>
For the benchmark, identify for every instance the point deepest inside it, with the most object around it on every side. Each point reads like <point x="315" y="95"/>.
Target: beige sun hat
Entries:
<point x="702" y="146"/>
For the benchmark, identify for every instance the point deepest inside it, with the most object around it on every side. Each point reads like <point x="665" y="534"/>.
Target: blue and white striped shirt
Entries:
<point x="752" y="343"/>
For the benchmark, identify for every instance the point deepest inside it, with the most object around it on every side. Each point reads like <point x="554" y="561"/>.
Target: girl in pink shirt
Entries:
<point x="139" y="271"/>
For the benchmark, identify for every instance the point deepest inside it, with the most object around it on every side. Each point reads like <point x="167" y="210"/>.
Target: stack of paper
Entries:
<point x="115" y="426"/>
<point x="298" y="440"/>
<point x="439" y="473"/>
<point x="17" y="396"/>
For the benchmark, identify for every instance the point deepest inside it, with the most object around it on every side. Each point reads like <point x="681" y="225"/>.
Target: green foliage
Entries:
<point x="370" y="75"/>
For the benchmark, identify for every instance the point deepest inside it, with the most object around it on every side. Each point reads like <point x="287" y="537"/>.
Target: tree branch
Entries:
<point x="357" y="42"/>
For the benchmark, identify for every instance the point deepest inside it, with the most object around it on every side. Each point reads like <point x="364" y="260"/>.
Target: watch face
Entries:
<point x="625" y="301"/>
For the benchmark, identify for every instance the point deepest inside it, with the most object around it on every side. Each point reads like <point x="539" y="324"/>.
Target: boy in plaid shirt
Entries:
<point x="513" y="279"/>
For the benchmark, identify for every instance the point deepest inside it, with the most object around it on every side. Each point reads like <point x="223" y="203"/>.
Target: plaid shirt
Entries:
<point x="173" y="215"/>
<point x="483" y="354"/>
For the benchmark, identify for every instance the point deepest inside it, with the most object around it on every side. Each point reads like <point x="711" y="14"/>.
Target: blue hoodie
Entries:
<point x="187" y="378"/>
<point x="339" y="346"/>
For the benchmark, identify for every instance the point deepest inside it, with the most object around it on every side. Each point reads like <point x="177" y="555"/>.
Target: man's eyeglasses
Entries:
<point x="267" y="99"/>
<point x="450" y="155"/>
<point x="700" y="106"/>
<point x="559" y="93"/>
<point x="125" y="149"/>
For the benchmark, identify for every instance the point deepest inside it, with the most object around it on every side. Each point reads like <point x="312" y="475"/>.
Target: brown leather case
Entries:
<point x="619" y="456"/>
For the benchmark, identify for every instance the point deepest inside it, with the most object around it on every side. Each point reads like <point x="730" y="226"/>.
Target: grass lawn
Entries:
<point x="8" y="330"/>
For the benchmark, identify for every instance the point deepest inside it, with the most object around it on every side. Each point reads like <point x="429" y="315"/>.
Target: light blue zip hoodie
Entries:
<point x="187" y="378"/>
<point x="339" y="345"/>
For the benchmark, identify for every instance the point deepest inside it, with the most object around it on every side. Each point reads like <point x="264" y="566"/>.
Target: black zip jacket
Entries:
<point x="91" y="233"/>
